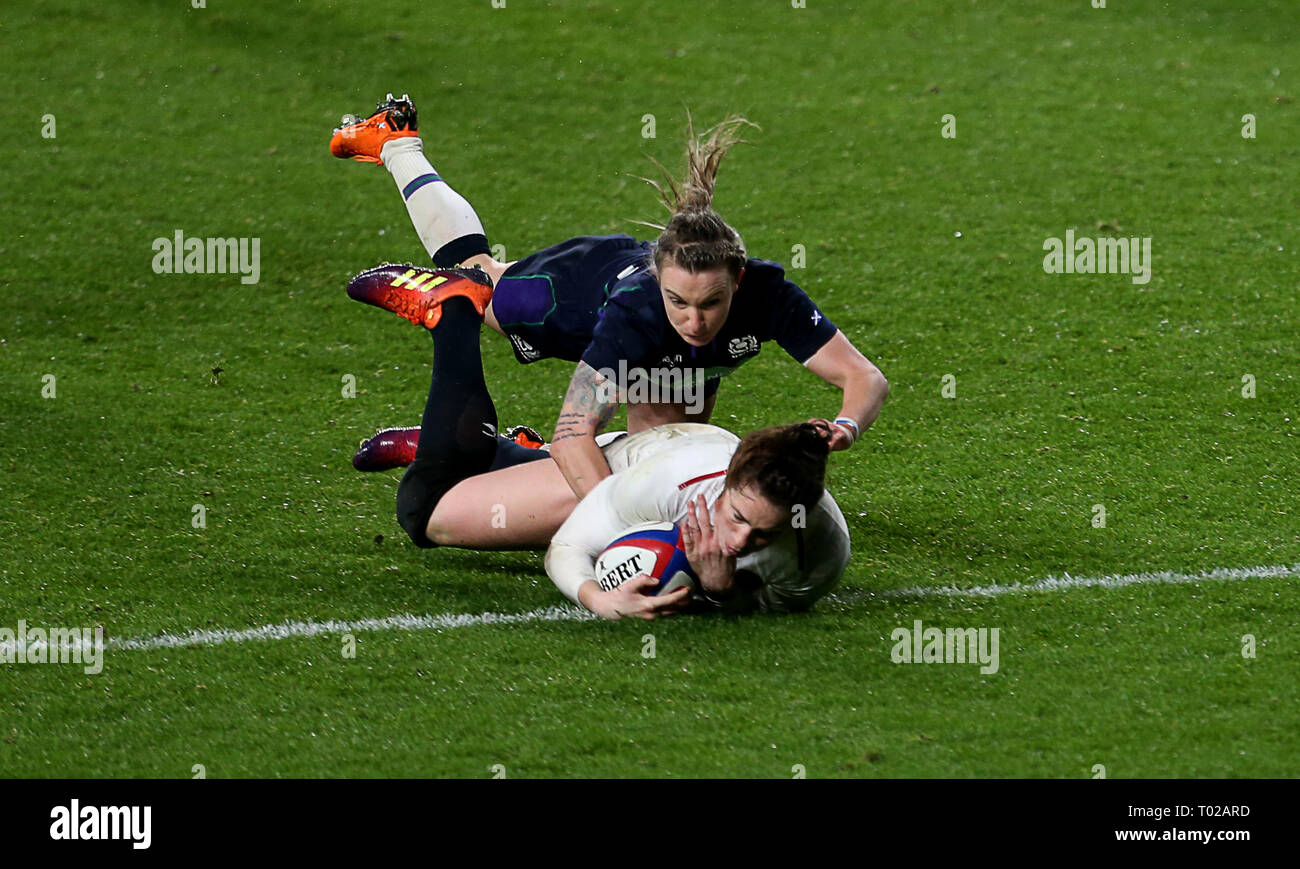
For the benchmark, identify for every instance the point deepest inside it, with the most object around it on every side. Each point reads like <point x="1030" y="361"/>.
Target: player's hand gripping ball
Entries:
<point x="654" y="549"/>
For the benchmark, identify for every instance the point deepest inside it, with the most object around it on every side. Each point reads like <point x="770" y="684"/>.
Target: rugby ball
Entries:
<point x="654" y="549"/>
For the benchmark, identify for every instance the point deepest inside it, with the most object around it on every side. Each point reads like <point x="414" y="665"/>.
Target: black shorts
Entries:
<point x="548" y="303"/>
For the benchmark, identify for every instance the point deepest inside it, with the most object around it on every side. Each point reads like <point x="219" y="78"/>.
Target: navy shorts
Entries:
<point x="548" y="303"/>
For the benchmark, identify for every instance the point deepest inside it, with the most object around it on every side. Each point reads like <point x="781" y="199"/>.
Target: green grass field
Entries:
<point x="1071" y="390"/>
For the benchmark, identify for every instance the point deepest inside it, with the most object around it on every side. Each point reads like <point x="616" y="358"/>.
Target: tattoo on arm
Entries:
<point x="569" y="425"/>
<point x="587" y="407"/>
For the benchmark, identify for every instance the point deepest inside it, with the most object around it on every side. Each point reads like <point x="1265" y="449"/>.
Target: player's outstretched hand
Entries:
<point x="837" y="436"/>
<point x="630" y="600"/>
<point x="716" y="569"/>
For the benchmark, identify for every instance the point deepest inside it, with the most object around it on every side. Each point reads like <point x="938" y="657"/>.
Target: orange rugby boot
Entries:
<point x="363" y="139"/>
<point x="417" y="293"/>
<point x="525" y="437"/>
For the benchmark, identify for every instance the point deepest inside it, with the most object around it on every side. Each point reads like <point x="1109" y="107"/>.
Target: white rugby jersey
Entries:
<point x="657" y="472"/>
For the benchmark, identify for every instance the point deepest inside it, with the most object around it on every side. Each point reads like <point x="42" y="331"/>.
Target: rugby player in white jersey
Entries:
<point x="759" y="529"/>
<point x="734" y="499"/>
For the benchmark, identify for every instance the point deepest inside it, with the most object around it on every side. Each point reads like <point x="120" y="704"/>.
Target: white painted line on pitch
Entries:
<point x="404" y="622"/>
<point x="287" y="630"/>
<point x="570" y="613"/>
<point x="1065" y="582"/>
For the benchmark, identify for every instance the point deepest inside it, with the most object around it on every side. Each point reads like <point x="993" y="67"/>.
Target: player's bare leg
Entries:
<point x="519" y="507"/>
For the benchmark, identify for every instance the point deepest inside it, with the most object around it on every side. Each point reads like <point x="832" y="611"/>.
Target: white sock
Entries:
<point x="440" y="215"/>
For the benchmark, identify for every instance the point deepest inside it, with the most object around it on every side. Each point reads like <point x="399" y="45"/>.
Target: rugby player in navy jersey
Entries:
<point x="655" y="325"/>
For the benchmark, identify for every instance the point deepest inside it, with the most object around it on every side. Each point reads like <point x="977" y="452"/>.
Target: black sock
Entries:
<point x="510" y="453"/>
<point x="460" y="419"/>
<point x="458" y="434"/>
<point x="460" y="249"/>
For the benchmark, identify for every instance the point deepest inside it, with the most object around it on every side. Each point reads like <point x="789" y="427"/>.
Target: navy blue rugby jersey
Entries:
<point x="548" y="303"/>
<point x="633" y="326"/>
